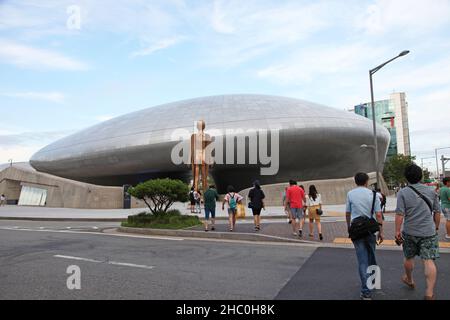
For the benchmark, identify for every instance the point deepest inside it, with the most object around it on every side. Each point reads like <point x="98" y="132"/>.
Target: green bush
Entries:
<point x="160" y="194"/>
<point x="172" y="219"/>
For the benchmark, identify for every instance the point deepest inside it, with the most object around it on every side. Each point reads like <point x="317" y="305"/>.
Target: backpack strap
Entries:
<point x="427" y="201"/>
<point x="373" y="202"/>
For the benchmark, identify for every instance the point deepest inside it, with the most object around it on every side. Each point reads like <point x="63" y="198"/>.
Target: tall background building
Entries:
<point x="393" y="115"/>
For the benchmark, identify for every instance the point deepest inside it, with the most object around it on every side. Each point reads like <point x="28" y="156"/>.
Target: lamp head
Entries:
<point x="403" y="53"/>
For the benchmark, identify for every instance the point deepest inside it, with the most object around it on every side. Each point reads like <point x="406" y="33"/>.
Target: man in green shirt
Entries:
<point x="445" y="204"/>
<point x="210" y="197"/>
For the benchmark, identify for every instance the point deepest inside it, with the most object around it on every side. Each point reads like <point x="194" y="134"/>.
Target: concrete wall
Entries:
<point x="332" y="191"/>
<point x="61" y="193"/>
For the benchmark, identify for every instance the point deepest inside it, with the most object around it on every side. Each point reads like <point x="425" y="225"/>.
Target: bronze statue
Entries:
<point x="199" y="159"/>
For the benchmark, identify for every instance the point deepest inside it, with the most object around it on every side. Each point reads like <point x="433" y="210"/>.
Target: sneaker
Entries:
<point x="213" y="228"/>
<point x="290" y="221"/>
<point x="320" y="237"/>
<point x="295" y="234"/>
<point x="447" y="237"/>
<point x="300" y="233"/>
<point x="365" y="296"/>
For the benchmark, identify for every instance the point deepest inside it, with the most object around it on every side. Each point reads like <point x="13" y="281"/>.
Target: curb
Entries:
<point x="209" y="235"/>
<point x="66" y="219"/>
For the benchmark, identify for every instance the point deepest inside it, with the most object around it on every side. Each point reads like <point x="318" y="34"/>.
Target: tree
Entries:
<point x="426" y="175"/>
<point x="160" y="194"/>
<point x="394" y="169"/>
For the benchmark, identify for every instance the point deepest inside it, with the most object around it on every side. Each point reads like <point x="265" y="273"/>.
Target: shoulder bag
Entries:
<point x="363" y="226"/>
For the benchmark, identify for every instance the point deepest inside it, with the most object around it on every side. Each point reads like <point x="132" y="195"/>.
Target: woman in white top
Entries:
<point x="314" y="202"/>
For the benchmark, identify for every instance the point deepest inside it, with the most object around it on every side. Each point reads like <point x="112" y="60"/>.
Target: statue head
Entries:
<point x="201" y="125"/>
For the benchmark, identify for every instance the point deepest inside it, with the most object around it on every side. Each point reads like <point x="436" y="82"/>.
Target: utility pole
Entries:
<point x="444" y="162"/>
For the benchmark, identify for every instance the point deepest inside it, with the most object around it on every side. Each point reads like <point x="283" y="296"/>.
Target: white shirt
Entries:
<point x="310" y="202"/>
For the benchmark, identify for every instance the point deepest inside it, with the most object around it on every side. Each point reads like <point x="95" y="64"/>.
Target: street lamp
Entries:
<point x="437" y="160"/>
<point x="375" y="141"/>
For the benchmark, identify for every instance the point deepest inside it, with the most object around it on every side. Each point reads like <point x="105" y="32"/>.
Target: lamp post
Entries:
<point x="437" y="160"/>
<point x="375" y="141"/>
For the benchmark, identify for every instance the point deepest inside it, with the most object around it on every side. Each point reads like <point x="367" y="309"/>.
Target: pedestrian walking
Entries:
<point x="2" y="200"/>
<point x="445" y="204"/>
<point x="295" y="197"/>
<point x="382" y="198"/>
<point x="256" y="196"/>
<point x="192" y="199"/>
<point x="314" y="203"/>
<point x="361" y="206"/>
<point x="418" y="211"/>
<point x="287" y="210"/>
<point x="210" y="197"/>
<point x="198" y="201"/>
<point x="231" y="199"/>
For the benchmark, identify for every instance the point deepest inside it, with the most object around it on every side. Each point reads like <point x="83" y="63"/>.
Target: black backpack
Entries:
<point x="191" y="196"/>
<point x="363" y="226"/>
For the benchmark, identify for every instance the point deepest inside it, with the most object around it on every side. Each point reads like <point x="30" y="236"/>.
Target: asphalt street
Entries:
<point x="33" y="265"/>
<point x="34" y="257"/>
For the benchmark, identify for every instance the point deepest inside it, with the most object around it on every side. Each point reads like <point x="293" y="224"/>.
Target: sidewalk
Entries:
<point x="334" y="231"/>
<point x="17" y="212"/>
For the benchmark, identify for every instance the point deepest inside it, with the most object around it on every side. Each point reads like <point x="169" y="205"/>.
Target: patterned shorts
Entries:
<point x="427" y="248"/>
<point x="446" y="212"/>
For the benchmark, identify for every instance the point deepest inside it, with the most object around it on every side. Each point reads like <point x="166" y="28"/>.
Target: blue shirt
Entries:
<point x="359" y="203"/>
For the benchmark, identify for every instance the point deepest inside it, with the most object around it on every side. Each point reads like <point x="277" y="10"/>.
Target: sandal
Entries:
<point x="411" y="285"/>
<point x="429" y="298"/>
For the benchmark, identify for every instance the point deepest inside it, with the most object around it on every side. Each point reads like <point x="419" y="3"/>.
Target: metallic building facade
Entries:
<point x="315" y="142"/>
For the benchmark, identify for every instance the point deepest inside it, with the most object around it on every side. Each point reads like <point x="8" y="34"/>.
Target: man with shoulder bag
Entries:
<point x="364" y="220"/>
<point x="418" y="212"/>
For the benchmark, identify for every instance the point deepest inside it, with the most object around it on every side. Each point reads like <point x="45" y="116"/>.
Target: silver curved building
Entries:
<point x="315" y="142"/>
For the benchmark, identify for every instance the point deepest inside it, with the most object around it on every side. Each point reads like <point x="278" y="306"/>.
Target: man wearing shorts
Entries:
<point x="295" y="196"/>
<point x="210" y="197"/>
<point x="445" y="204"/>
<point x="419" y="212"/>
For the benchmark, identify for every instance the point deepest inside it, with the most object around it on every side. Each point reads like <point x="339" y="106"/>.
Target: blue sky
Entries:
<point x="128" y="55"/>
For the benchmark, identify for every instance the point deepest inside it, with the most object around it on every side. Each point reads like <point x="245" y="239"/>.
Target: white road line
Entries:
<point x="97" y="233"/>
<point x="130" y="265"/>
<point x="115" y="263"/>
<point x="77" y="258"/>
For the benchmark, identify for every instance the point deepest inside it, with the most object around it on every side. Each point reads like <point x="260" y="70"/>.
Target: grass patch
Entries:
<point x="172" y="219"/>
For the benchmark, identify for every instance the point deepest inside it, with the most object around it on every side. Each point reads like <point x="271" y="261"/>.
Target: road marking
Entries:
<point x="97" y="233"/>
<point x="115" y="263"/>
<point x="76" y="258"/>
<point x="130" y="265"/>
<point x="385" y="242"/>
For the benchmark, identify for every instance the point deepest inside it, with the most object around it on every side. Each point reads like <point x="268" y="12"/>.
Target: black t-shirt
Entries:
<point x="256" y="197"/>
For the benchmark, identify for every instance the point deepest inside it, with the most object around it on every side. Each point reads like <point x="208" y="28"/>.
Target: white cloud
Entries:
<point x="34" y="58"/>
<point x="56" y="97"/>
<point x="17" y="153"/>
<point x="308" y="64"/>
<point x="244" y="30"/>
<point x="105" y="117"/>
<point x="20" y="146"/>
<point x="410" y="17"/>
<point x="159" y="45"/>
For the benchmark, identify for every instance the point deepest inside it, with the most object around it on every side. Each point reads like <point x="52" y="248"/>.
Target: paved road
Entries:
<point x="158" y="268"/>
<point x="33" y="263"/>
